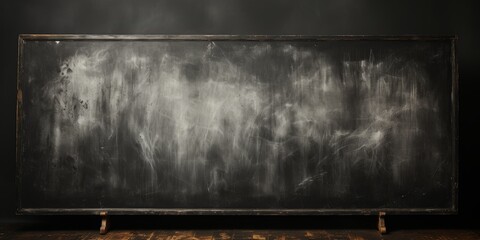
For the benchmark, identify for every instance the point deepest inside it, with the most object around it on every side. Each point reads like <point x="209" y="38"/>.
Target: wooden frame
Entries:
<point x="127" y="211"/>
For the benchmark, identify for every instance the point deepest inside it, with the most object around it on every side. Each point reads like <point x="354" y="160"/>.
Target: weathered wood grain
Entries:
<point x="241" y="234"/>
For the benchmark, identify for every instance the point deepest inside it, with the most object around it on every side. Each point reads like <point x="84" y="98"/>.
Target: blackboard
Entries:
<point x="236" y="124"/>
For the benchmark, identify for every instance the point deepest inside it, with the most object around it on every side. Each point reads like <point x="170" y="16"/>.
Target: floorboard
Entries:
<point x="8" y="233"/>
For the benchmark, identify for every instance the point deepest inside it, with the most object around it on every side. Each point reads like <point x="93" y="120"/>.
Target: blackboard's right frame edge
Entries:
<point x="455" y="123"/>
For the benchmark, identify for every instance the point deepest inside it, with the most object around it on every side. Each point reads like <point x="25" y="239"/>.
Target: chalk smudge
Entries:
<point x="225" y="122"/>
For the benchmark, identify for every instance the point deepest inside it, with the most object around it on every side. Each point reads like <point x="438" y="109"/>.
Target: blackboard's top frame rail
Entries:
<point x="200" y="211"/>
<point x="113" y="37"/>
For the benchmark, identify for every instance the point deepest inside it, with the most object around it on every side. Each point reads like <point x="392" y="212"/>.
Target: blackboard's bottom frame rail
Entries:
<point x="198" y="211"/>
<point x="104" y="213"/>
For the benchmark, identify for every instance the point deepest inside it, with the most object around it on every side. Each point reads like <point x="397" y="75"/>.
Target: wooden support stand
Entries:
<point x="381" y="223"/>
<point x="105" y="223"/>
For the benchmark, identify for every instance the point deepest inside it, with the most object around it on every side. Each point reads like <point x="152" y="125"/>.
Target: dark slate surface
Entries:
<point x="236" y="124"/>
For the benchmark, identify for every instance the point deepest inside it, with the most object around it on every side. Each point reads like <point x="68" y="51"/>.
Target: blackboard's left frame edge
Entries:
<point x="262" y="212"/>
<point x="18" y="123"/>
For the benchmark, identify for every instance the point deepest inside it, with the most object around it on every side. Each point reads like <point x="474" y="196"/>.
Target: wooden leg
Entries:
<point x="105" y="223"/>
<point x="381" y="223"/>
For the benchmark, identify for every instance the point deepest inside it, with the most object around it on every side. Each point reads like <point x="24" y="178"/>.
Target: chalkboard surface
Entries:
<point x="236" y="124"/>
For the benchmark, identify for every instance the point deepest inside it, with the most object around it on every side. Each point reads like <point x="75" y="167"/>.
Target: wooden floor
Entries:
<point x="240" y="234"/>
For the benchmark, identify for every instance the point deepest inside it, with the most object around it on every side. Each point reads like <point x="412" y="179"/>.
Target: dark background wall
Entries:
<point x="312" y="17"/>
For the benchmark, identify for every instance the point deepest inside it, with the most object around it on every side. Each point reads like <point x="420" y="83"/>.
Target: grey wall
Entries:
<point x="246" y="17"/>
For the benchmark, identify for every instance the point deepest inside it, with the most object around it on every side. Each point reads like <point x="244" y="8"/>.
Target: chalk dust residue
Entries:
<point x="199" y="120"/>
